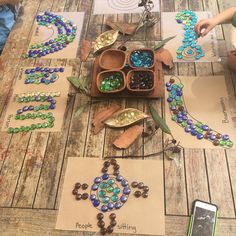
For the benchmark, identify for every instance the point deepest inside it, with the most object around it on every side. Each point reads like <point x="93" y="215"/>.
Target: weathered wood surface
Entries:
<point x="32" y="165"/>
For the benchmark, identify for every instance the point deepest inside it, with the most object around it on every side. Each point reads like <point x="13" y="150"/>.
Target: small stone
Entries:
<point x="137" y="194"/>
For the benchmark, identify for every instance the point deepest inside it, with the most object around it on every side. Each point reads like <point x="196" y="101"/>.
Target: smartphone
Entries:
<point x="203" y="220"/>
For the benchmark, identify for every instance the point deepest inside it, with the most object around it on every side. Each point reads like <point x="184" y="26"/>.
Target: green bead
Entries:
<point x="200" y="131"/>
<point x="105" y="199"/>
<point x="114" y="198"/>
<point x="17" y="117"/>
<point x="116" y="191"/>
<point x="22" y="128"/>
<point x="101" y="193"/>
<point x="110" y="189"/>
<point x="27" y="128"/>
<point x="110" y="181"/>
<point x="10" y="130"/>
<point x="33" y="126"/>
<point x="103" y="185"/>
<point x="16" y="130"/>
<point x="222" y="143"/>
<point x="50" y="125"/>
<point x="22" y="117"/>
<point x="184" y="124"/>
<point x="174" y="118"/>
<point x="229" y="144"/>
<point x="199" y="124"/>
<point x="39" y="126"/>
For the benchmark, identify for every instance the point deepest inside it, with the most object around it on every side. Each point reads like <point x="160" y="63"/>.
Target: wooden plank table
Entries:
<point x="32" y="165"/>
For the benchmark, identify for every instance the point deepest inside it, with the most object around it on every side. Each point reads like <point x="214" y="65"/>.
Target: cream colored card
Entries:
<point x="60" y="85"/>
<point x="120" y="6"/>
<point x="206" y="99"/>
<point x="44" y="34"/>
<point x="136" y="216"/>
<point x="171" y="28"/>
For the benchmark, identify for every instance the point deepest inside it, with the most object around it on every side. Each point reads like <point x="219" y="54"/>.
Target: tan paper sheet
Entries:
<point x="206" y="99"/>
<point x="61" y="85"/>
<point x="43" y="34"/>
<point x="171" y="28"/>
<point x="120" y="6"/>
<point x="137" y="216"/>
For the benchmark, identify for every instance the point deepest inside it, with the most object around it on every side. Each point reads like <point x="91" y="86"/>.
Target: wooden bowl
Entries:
<point x="141" y="50"/>
<point x="103" y="74"/>
<point x="138" y="90"/>
<point x="112" y="59"/>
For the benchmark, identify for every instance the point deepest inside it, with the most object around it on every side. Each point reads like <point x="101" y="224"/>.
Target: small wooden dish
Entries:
<point x="112" y="59"/>
<point x="140" y="91"/>
<point x="141" y="50"/>
<point x="103" y="74"/>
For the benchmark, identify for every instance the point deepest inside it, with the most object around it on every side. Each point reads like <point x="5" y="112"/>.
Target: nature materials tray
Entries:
<point x="158" y="91"/>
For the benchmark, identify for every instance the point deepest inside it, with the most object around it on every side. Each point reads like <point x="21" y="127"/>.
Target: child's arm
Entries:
<point x="12" y="2"/>
<point x="208" y="24"/>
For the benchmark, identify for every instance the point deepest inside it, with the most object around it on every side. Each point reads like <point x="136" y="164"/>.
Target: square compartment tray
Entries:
<point x="158" y="91"/>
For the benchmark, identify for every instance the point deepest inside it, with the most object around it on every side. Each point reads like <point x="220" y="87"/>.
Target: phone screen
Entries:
<point x="203" y="222"/>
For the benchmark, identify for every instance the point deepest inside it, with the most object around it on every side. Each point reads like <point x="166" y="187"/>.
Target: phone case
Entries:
<point x="191" y="217"/>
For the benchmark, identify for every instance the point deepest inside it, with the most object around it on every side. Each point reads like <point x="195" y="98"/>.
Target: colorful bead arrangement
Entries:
<point x="112" y="82"/>
<point x="109" y="192"/>
<point x="48" y="118"/>
<point x="141" y="80"/>
<point x="66" y="34"/>
<point x="189" y="49"/>
<point x="142" y="59"/>
<point x="192" y="126"/>
<point x="41" y="75"/>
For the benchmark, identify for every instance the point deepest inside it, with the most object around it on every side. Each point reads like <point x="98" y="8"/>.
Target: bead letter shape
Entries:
<point x="189" y="49"/>
<point x="109" y="192"/>
<point x="33" y="112"/>
<point x="180" y="115"/>
<point x="66" y="31"/>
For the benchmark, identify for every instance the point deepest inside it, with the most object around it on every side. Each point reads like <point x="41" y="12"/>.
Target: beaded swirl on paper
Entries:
<point x="189" y="50"/>
<point x="180" y="115"/>
<point x="66" y="31"/>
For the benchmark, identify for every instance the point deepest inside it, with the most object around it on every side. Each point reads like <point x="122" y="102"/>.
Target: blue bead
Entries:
<point x="189" y="122"/>
<point x="169" y="89"/>
<point x="124" y="182"/>
<point x="96" y="203"/>
<point x="205" y="127"/>
<point x="20" y="111"/>
<point x="97" y="180"/>
<point x="119" y="178"/>
<point x="192" y="126"/>
<point x="179" y="115"/>
<point x="93" y="197"/>
<point x="199" y="136"/>
<point x="104" y="208"/>
<point x="225" y="137"/>
<point x="61" y="69"/>
<point x="110" y="205"/>
<point x="169" y="99"/>
<point x="212" y="137"/>
<point x="179" y="120"/>
<point x="94" y="187"/>
<point x="123" y="198"/>
<point x="118" y="205"/>
<point x="25" y="108"/>
<point x="126" y="190"/>
<point x="168" y="84"/>
<point x="105" y="176"/>
<point x="194" y="132"/>
<point x="187" y="129"/>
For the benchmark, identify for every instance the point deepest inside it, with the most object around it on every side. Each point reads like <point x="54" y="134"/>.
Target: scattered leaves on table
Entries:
<point x="102" y="116"/>
<point x="85" y="49"/>
<point x="159" y="121"/>
<point x="128" y="137"/>
<point x="80" y="83"/>
<point x="162" y="43"/>
<point x="123" y="27"/>
<point x="125" y="118"/>
<point x="165" y="56"/>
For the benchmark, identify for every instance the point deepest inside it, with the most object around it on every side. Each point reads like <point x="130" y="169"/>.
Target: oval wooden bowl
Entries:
<point x="112" y="59"/>
<point x="144" y="50"/>
<point x="140" y="91"/>
<point x="103" y="74"/>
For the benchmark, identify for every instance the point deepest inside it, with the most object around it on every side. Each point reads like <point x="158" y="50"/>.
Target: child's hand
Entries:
<point x="232" y="60"/>
<point x="206" y="25"/>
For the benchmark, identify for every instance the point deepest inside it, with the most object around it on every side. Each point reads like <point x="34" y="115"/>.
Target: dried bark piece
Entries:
<point x="123" y="27"/>
<point x="85" y="49"/>
<point x="128" y="137"/>
<point x="165" y="56"/>
<point x="100" y="117"/>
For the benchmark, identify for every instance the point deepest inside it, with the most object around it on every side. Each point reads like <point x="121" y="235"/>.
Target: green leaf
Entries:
<point x="81" y="109"/>
<point x="162" y="124"/>
<point x="80" y="83"/>
<point x="162" y="43"/>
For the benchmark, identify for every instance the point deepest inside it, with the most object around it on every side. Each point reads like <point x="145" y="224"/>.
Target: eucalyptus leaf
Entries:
<point x="162" y="124"/>
<point x="162" y="43"/>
